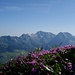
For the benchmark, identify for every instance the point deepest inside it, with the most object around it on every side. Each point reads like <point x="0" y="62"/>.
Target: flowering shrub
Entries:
<point x="57" y="61"/>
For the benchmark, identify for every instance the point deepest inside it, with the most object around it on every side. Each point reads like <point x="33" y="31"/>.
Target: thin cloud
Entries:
<point x="11" y="8"/>
<point x="33" y="7"/>
<point x="41" y="8"/>
<point x="14" y="8"/>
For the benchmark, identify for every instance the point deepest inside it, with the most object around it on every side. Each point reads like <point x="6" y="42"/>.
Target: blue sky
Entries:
<point x="29" y="16"/>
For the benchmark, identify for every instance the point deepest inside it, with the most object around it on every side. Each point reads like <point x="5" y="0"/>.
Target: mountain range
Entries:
<point x="40" y="39"/>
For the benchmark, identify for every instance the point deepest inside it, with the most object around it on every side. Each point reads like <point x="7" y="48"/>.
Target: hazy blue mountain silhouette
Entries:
<point x="62" y="38"/>
<point x="39" y="39"/>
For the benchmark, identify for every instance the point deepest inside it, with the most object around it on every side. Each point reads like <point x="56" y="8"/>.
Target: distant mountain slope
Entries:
<point x="25" y="41"/>
<point x="39" y="39"/>
<point x="62" y="38"/>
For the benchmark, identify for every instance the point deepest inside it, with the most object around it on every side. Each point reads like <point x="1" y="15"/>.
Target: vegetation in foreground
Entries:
<point x="57" y="61"/>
